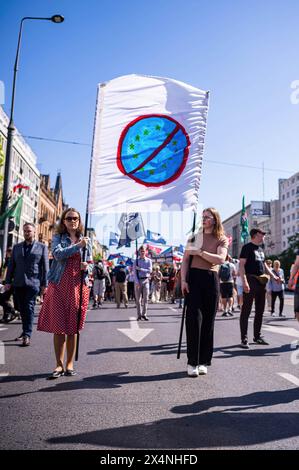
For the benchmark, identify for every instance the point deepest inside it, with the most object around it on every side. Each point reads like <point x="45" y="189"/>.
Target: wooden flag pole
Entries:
<point x="186" y="295"/>
<point x="84" y="251"/>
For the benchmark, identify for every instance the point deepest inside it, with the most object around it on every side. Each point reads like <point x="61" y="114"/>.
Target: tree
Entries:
<point x="288" y="256"/>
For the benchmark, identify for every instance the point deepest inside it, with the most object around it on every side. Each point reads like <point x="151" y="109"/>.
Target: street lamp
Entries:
<point x="11" y="129"/>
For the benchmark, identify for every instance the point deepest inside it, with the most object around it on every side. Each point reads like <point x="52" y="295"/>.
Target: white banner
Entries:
<point x="148" y="145"/>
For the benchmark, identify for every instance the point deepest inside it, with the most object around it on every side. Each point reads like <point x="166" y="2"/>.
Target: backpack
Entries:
<point x="225" y="272"/>
<point x="120" y="275"/>
<point x="100" y="272"/>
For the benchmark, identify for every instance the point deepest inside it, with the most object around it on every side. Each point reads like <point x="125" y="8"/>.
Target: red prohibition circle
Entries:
<point x="185" y="155"/>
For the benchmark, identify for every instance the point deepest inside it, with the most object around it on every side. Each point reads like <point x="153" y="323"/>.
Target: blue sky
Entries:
<point x="244" y="52"/>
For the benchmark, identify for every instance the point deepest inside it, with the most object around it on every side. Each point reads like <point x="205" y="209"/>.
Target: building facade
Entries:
<point x="97" y="248"/>
<point x="51" y="206"/>
<point x="261" y="214"/>
<point x="23" y="172"/>
<point x="289" y="205"/>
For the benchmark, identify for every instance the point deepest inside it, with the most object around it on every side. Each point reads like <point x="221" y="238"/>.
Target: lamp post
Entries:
<point x="11" y="130"/>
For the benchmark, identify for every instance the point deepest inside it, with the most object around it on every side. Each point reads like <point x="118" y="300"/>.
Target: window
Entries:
<point x="293" y="204"/>
<point x="283" y="220"/>
<point x="288" y="231"/>
<point x="283" y="209"/>
<point x="293" y="192"/>
<point x="283" y="232"/>
<point x="283" y="197"/>
<point x="288" y="218"/>
<point x="288" y="207"/>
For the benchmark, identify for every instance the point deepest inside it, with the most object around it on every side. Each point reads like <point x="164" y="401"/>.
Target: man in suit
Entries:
<point x="27" y="272"/>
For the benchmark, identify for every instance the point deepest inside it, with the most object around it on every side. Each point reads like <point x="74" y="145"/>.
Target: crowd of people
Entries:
<point x="207" y="281"/>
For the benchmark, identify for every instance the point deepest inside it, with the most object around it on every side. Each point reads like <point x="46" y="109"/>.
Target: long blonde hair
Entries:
<point x="218" y="229"/>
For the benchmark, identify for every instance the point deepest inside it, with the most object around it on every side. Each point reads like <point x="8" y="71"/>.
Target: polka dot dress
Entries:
<point x="59" y="310"/>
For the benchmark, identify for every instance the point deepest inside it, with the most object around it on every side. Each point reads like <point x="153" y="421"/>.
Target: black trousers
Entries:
<point x="131" y="293"/>
<point x="258" y="294"/>
<point x="202" y="303"/>
<point x="274" y="295"/>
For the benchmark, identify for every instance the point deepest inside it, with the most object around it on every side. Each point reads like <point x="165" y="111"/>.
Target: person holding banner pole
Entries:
<point x="66" y="293"/>
<point x="208" y="251"/>
<point x="142" y="268"/>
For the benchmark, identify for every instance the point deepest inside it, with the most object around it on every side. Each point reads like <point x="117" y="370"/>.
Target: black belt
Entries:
<point x="143" y="278"/>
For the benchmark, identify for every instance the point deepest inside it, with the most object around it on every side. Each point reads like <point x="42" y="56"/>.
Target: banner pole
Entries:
<point x="84" y="251"/>
<point x="186" y="296"/>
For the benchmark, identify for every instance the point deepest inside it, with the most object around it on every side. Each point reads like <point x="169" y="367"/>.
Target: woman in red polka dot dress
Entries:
<point x="59" y="312"/>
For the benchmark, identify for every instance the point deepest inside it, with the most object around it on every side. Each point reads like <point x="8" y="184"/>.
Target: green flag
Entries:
<point x="244" y="223"/>
<point x="13" y="211"/>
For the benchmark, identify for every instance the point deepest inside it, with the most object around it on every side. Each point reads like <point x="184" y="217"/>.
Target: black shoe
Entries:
<point x="282" y="315"/>
<point x="70" y="373"/>
<point x="230" y="313"/>
<point x="260" y="340"/>
<point x="138" y="318"/>
<point x="26" y="341"/>
<point x="144" y="317"/>
<point x="20" y="338"/>
<point x="11" y="317"/>
<point x="56" y="374"/>
<point x="244" y="344"/>
<point x="225" y="314"/>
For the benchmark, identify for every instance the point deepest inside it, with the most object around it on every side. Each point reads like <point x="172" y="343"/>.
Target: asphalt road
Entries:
<point x="131" y="392"/>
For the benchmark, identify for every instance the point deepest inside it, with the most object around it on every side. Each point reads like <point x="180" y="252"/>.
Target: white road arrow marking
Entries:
<point x="134" y="332"/>
<point x="283" y="331"/>
<point x="3" y="329"/>
<point x="289" y="377"/>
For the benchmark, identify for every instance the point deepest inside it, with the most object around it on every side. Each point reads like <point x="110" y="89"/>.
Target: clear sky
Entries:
<point x="244" y="52"/>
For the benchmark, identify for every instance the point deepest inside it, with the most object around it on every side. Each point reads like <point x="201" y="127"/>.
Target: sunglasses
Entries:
<point x="69" y="219"/>
<point x="204" y="217"/>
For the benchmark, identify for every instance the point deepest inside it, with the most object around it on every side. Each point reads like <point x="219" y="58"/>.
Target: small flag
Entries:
<point x="153" y="250"/>
<point x="181" y="249"/>
<point x="19" y="186"/>
<point x="244" y="223"/>
<point x="113" y="239"/>
<point x="13" y="211"/>
<point x="168" y="253"/>
<point x="113" y="256"/>
<point x="154" y="238"/>
<point x="131" y="228"/>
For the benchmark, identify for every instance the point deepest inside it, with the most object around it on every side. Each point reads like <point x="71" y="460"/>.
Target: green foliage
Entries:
<point x="97" y="257"/>
<point x="287" y="257"/>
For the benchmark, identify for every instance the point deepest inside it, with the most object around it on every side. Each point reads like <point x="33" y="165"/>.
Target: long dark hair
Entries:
<point x="61" y="228"/>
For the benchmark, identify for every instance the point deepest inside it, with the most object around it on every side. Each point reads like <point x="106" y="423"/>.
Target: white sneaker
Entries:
<point x="192" y="371"/>
<point x="202" y="370"/>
